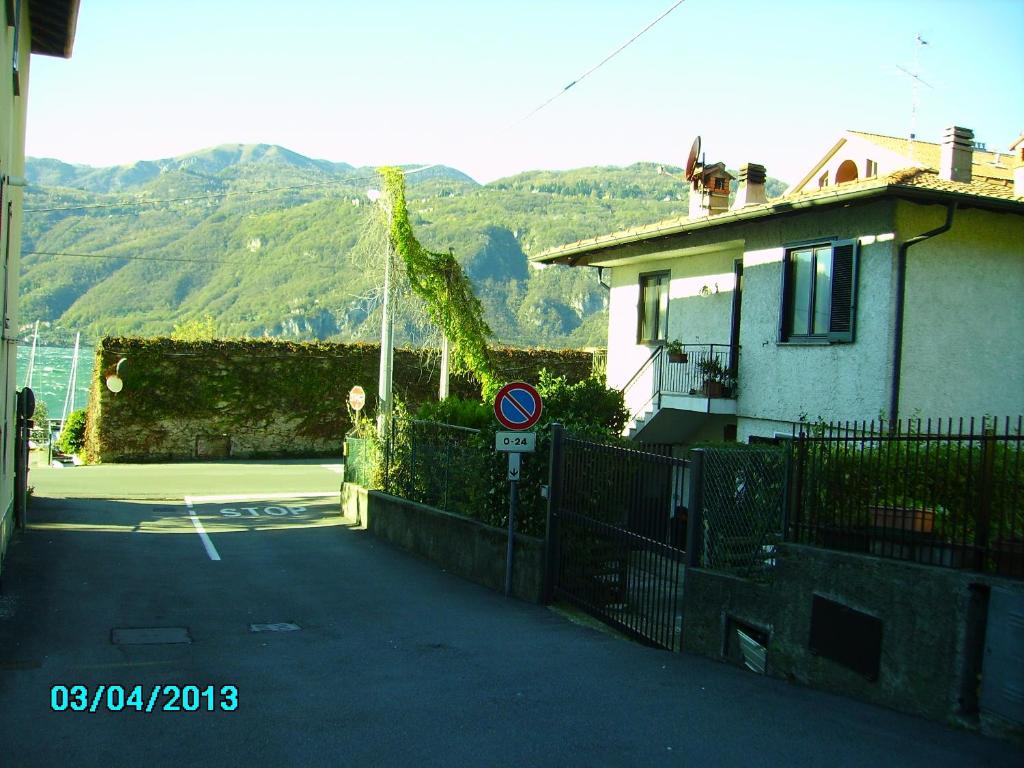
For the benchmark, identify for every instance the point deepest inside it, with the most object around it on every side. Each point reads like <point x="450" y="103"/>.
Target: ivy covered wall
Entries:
<point x="254" y="398"/>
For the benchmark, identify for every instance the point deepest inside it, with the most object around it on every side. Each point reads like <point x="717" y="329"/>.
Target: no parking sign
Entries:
<point x="517" y="406"/>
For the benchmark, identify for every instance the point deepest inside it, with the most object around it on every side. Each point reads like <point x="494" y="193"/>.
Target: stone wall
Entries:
<point x="262" y="398"/>
<point x="932" y="627"/>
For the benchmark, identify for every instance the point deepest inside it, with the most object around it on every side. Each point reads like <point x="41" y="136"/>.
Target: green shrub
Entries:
<point x="72" y="437"/>
<point x="473" y="414"/>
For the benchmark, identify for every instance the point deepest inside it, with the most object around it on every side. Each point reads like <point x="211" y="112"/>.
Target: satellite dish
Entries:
<point x="691" y="160"/>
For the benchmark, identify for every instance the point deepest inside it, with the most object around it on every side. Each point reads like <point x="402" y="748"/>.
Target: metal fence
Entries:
<point x="361" y="461"/>
<point x="617" y="529"/>
<point x="440" y="465"/>
<point x="742" y="509"/>
<point x="942" y="492"/>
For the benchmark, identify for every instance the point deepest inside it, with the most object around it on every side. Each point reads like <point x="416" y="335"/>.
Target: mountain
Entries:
<point x="270" y="242"/>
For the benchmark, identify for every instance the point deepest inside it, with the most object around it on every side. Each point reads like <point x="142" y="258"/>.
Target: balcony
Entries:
<point x="699" y="380"/>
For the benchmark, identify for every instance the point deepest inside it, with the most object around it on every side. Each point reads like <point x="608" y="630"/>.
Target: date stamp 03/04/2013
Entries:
<point x="144" y="698"/>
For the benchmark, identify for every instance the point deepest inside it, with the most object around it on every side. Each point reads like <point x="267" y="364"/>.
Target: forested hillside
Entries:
<point x="269" y="242"/>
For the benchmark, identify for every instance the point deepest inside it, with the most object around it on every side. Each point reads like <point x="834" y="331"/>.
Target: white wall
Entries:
<point x="963" y="352"/>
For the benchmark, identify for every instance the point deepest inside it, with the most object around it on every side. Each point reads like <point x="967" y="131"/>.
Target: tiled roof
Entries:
<point x="906" y="179"/>
<point x="930" y="180"/>
<point x="927" y="153"/>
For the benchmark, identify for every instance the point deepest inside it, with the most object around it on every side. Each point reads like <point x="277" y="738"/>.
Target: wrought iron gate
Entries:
<point x="616" y="536"/>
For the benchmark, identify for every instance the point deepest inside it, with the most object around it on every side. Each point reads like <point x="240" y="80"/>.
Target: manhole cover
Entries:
<point x="283" y="626"/>
<point x="150" y="636"/>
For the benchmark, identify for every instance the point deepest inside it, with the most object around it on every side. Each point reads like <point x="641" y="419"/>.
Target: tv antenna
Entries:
<point x="916" y="80"/>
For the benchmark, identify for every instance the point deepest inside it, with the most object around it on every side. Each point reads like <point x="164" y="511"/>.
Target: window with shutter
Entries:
<point x="819" y="293"/>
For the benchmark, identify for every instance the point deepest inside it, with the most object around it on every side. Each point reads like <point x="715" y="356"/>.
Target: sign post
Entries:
<point x="517" y="407"/>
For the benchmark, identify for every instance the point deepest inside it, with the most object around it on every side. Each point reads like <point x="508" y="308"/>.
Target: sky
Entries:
<point x="450" y="81"/>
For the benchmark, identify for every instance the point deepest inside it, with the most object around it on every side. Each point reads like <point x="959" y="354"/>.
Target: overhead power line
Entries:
<point x="600" y="64"/>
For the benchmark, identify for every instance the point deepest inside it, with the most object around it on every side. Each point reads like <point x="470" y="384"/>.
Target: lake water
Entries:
<point x="52" y="370"/>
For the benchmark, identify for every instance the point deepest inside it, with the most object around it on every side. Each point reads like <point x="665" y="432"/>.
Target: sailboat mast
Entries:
<point x="32" y="357"/>
<point x="69" y="397"/>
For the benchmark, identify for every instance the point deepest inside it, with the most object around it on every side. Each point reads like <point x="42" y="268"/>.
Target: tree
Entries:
<point x="72" y="436"/>
<point x="195" y="330"/>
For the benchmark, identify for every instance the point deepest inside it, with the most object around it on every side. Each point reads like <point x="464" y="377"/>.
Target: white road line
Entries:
<point x="197" y="523"/>
<point x="259" y="496"/>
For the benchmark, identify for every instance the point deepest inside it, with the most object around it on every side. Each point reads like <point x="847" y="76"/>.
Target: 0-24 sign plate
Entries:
<point x="515" y="442"/>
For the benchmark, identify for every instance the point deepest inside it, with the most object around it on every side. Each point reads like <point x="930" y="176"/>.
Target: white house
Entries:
<point x="881" y="286"/>
<point x="44" y="27"/>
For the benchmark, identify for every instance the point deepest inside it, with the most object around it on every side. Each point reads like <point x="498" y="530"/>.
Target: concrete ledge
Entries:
<point x="459" y="545"/>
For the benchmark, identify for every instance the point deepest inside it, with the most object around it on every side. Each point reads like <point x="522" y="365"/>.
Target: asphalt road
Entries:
<point x="393" y="662"/>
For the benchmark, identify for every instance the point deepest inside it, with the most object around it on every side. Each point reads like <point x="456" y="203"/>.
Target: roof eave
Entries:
<point x="574" y="254"/>
<point x="53" y="27"/>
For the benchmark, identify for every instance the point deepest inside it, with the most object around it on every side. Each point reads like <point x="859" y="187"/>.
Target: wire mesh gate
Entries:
<point x="617" y="531"/>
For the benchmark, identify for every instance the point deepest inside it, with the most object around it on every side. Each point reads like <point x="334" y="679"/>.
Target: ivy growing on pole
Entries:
<point x="438" y="279"/>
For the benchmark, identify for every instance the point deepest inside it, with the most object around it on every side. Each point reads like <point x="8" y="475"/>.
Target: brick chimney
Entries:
<point x="751" y="187"/>
<point x="956" y="154"/>
<point x="1017" y="148"/>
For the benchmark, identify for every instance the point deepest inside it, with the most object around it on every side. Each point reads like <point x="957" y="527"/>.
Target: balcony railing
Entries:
<point x="708" y="370"/>
<point x="704" y="370"/>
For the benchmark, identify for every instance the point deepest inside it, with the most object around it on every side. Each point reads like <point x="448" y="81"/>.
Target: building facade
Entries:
<point x="878" y="298"/>
<point x="44" y="27"/>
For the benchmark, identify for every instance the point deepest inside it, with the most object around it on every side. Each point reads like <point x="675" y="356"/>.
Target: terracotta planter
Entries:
<point x="903" y="519"/>
<point x="713" y="388"/>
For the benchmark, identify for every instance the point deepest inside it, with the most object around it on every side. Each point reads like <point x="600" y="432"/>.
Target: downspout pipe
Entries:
<point x="901" y="295"/>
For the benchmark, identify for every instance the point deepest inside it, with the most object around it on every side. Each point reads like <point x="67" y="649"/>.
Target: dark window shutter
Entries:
<point x="844" y="290"/>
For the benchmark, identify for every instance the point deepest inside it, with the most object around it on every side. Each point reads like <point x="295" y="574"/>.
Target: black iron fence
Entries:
<point x="941" y="492"/>
<point x="617" y="531"/>
<point x="440" y="465"/>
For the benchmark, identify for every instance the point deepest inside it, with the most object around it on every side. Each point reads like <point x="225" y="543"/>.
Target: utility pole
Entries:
<point x="442" y="391"/>
<point x="387" y="327"/>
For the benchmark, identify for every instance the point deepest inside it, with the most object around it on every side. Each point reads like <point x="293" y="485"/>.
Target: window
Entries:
<point x="819" y="292"/>
<point x="847" y="171"/>
<point x="720" y="185"/>
<point x="652" y="325"/>
<point x="14" y="20"/>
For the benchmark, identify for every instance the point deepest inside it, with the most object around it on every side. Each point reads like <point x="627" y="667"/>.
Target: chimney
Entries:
<point x="1017" y="148"/>
<point x="956" y="154"/>
<point x="751" y="187"/>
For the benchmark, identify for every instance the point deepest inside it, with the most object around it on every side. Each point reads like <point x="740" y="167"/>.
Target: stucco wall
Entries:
<point x="964" y="323"/>
<point x="12" y="163"/>
<point x="784" y="382"/>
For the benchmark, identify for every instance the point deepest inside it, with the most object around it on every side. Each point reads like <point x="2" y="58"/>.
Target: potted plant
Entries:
<point x="675" y="351"/>
<point x="716" y="378"/>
